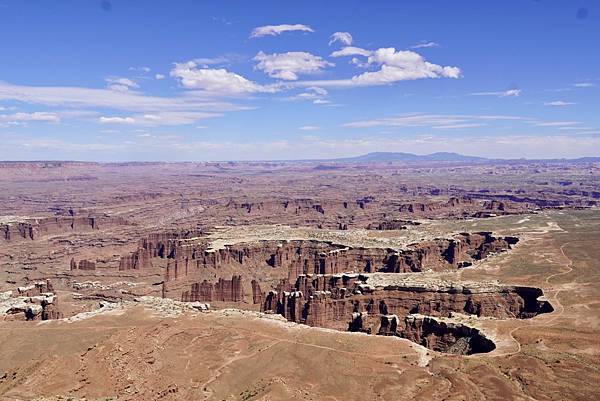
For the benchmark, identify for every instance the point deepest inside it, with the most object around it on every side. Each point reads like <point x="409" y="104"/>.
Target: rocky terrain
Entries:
<point x="177" y="278"/>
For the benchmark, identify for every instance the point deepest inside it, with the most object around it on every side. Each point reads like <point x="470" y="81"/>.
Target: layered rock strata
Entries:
<point x="330" y="301"/>
<point x="31" y="228"/>
<point x="223" y="291"/>
<point x="298" y="257"/>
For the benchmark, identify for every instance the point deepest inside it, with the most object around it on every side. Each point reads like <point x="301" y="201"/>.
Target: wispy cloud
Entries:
<point x="558" y="103"/>
<point x="116" y="120"/>
<point x="342" y="37"/>
<point x="17" y="118"/>
<point x="584" y="84"/>
<point x="313" y="93"/>
<point x="84" y="103"/>
<point x="351" y="51"/>
<point x="121" y="84"/>
<point x="425" y="44"/>
<point x="274" y="30"/>
<point x="308" y="146"/>
<point x="437" y="121"/>
<point x="556" y="123"/>
<point x="142" y="69"/>
<point x="506" y="93"/>
<point x="309" y="128"/>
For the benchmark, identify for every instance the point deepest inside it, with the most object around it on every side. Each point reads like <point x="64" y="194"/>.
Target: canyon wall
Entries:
<point x="223" y="290"/>
<point x="31" y="229"/>
<point x="332" y="301"/>
<point x="301" y="257"/>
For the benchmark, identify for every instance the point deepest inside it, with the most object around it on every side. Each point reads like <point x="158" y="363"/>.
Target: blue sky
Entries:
<point x="234" y="80"/>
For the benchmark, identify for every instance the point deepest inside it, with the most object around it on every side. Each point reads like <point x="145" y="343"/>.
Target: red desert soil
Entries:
<point x="94" y="277"/>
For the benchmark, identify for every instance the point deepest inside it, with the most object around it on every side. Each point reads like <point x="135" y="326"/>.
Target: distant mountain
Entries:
<point x="410" y="157"/>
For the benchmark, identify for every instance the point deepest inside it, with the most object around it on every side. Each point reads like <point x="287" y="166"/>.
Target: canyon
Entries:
<point x="449" y="273"/>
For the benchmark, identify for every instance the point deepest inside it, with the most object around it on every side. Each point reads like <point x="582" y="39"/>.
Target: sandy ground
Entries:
<point x="137" y="353"/>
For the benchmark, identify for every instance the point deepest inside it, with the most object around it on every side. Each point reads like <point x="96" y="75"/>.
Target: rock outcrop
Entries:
<point x="223" y="291"/>
<point x="444" y="336"/>
<point x="138" y="260"/>
<point x="331" y="300"/>
<point x="32" y="228"/>
<point x="83" y="264"/>
<point x="298" y="257"/>
<point x="33" y="302"/>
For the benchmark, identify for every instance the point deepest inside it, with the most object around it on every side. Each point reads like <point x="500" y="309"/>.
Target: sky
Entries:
<point x="126" y="80"/>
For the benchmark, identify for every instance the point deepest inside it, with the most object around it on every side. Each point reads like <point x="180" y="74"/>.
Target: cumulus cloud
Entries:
<point x="215" y="80"/>
<point x="273" y="30"/>
<point x="351" y="51"/>
<point x="558" y="103"/>
<point x="394" y="66"/>
<point x="120" y="84"/>
<point x="159" y="76"/>
<point x="403" y="65"/>
<point x="342" y="37"/>
<point x="288" y="65"/>
<point x="424" y="44"/>
<point x="506" y="93"/>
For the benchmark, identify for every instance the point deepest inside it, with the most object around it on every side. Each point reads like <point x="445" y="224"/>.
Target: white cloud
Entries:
<point x="393" y="66"/>
<point x="459" y="126"/>
<point x="351" y="51"/>
<point x="159" y="76"/>
<point x="158" y="119"/>
<point x="558" y="103"/>
<point x="506" y="93"/>
<point x="274" y="30"/>
<point x="173" y="118"/>
<point x="79" y="97"/>
<point x="567" y="128"/>
<point x="556" y="123"/>
<point x="16" y="118"/>
<point x="85" y="103"/>
<point x="120" y="84"/>
<point x="216" y="81"/>
<point x="206" y="61"/>
<point x="116" y="120"/>
<point x="342" y="37"/>
<point x="437" y="121"/>
<point x="425" y="44"/>
<point x="140" y="69"/>
<point x="308" y="146"/>
<point x="309" y="128"/>
<point x="584" y="85"/>
<point x="288" y="65"/>
<point x="315" y="94"/>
